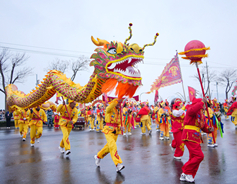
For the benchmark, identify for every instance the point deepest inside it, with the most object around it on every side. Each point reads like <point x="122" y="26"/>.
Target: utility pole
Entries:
<point x="208" y="82"/>
<point x="217" y="91"/>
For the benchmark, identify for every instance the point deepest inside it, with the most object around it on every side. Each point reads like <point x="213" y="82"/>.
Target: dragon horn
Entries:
<point x="99" y="42"/>
<point x="151" y="44"/>
<point x="130" y="36"/>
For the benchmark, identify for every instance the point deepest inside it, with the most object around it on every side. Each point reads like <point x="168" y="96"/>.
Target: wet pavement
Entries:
<point x="146" y="158"/>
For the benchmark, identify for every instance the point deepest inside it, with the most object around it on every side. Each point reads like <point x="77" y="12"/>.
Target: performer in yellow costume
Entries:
<point x="210" y="141"/>
<point x="163" y="115"/>
<point x="23" y="122"/>
<point x="126" y="123"/>
<point x="100" y="120"/>
<point x="16" y="117"/>
<point x="144" y="114"/>
<point x="111" y="131"/>
<point x="68" y="117"/>
<point x="156" y="109"/>
<point x="226" y="108"/>
<point x="37" y="117"/>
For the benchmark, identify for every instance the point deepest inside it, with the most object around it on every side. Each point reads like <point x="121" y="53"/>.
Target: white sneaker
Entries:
<point x="129" y="133"/>
<point x="61" y="149"/>
<point x="189" y="178"/>
<point x="161" y="138"/>
<point x="173" y="149"/>
<point x="23" y="139"/>
<point x="211" y="145"/>
<point x="182" y="177"/>
<point x="32" y="145"/>
<point x="97" y="161"/>
<point x="37" y="140"/>
<point x="150" y="132"/>
<point x="120" y="167"/>
<point x="68" y="152"/>
<point x="124" y="134"/>
<point x="216" y="145"/>
<point x="143" y="133"/>
<point x="177" y="158"/>
<point x="167" y="138"/>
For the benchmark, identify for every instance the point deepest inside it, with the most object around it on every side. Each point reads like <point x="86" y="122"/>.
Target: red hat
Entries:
<point x="176" y="104"/>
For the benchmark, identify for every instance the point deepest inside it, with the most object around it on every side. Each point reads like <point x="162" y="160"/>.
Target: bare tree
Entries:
<point x="57" y="64"/>
<point x="81" y="64"/>
<point x="206" y="79"/>
<point x="11" y="70"/>
<point x="227" y="79"/>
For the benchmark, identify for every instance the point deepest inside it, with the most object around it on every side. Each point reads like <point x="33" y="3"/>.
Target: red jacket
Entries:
<point x="144" y="111"/>
<point x="195" y="118"/>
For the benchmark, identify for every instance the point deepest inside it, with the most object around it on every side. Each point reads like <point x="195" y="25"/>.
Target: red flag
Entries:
<point x="156" y="97"/>
<point x="170" y="75"/>
<point x="192" y="93"/>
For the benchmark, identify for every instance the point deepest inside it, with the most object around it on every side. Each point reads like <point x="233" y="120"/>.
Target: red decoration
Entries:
<point x="195" y="50"/>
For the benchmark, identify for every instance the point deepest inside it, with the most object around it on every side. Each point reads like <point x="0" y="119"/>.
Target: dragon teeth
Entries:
<point x="112" y="66"/>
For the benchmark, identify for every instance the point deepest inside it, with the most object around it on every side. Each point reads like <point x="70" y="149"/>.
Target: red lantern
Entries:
<point x="195" y="51"/>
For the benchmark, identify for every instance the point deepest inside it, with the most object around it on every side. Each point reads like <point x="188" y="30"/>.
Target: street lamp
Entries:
<point x="141" y="95"/>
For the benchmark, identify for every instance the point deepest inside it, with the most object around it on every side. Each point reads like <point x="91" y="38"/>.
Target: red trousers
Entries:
<point x="195" y="158"/>
<point x="178" y="144"/>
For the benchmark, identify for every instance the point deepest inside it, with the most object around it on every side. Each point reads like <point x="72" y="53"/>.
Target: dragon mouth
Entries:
<point x="126" y="67"/>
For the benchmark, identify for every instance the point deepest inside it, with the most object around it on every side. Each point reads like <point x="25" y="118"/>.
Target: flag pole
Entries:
<point x="181" y="77"/>
<point x="204" y="96"/>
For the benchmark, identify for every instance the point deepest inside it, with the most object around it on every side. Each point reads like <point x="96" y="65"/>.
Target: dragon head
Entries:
<point x="117" y="62"/>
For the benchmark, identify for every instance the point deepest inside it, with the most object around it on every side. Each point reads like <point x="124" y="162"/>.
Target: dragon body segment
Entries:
<point x="114" y="67"/>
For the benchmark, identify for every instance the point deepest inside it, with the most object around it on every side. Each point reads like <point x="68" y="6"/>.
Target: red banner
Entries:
<point x="192" y="93"/>
<point x="109" y="98"/>
<point x="156" y="97"/>
<point x="170" y="75"/>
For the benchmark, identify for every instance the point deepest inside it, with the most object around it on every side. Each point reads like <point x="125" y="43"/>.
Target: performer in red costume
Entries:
<point x="177" y="118"/>
<point x="193" y="122"/>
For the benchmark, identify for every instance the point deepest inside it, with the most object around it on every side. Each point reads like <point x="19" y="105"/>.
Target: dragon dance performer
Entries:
<point x="177" y="117"/>
<point x="23" y="122"/>
<point x="68" y="117"/>
<point x="156" y="110"/>
<point x="56" y="121"/>
<point x="111" y="130"/>
<point x="100" y="119"/>
<point x="144" y="112"/>
<point x="169" y="111"/>
<point x="163" y="115"/>
<point x="226" y="108"/>
<point x="127" y="127"/>
<point x="37" y="117"/>
<point x="193" y="122"/>
<point x="210" y="141"/>
<point x="89" y="118"/>
<point x="233" y="112"/>
<point x="16" y="117"/>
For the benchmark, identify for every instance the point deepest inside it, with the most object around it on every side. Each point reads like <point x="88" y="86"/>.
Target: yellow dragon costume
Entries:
<point x="114" y="66"/>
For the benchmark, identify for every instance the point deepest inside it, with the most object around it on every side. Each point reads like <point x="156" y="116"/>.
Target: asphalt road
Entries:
<point x="146" y="158"/>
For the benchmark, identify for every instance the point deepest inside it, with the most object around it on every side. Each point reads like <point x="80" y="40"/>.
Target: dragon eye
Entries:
<point x="112" y="51"/>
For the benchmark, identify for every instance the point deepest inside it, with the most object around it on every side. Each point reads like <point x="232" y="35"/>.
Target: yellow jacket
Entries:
<point x="37" y="117"/>
<point x="112" y="117"/>
<point x="64" y="117"/>
<point x="16" y="114"/>
<point x="24" y="116"/>
<point x="211" y="113"/>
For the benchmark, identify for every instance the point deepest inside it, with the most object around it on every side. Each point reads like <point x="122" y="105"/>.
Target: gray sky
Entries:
<point x="68" y="26"/>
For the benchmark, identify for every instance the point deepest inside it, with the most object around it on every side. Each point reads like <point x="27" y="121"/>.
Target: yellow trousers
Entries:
<point x="65" y="141"/>
<point x="127" y="128"/>
<point x="145" y="124"/>
<point x="16" y="122"/>
<point x="149" y="119"/>
<point x="111" y="148"/>
<point x="35" y="133"/>
<point x="210" y="137"/>
<point x="100" y="125"/>
<point x="92" y="120"/>
<point x="164" y="130"/>
<point x="23" y="128"/>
